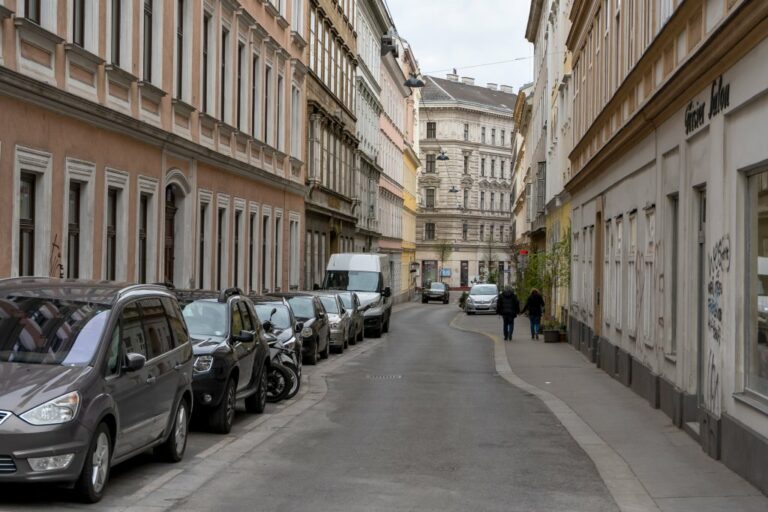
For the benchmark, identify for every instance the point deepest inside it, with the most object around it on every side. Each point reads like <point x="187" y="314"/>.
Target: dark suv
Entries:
<point x="436" y="291"/>
<point x="315" y="333"/>
<point x="231" y="355"/>
<point x="92" y="373"/>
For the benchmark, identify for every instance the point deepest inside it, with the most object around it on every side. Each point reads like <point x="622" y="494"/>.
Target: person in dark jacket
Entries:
<point x="508" y="307"/>
<point x="535" y="307"/>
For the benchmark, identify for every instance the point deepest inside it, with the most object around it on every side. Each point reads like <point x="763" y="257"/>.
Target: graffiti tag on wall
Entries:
<point x="718" y="265"/>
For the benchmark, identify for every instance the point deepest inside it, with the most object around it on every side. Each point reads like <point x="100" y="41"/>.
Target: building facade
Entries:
<point x="464" y="221"/>
<point x="668" y="188"/>
<point x="153" y="141"/>
<point x="330" y="199"/>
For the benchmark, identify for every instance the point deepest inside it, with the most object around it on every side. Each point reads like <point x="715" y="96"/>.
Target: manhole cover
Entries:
<point x="383" y="377"/>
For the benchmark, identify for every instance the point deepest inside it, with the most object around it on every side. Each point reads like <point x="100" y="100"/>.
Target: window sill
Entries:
<point x="272" y="10"/>
<point x="672" y="358"/>
<point x="282" y="21"/>
<point x="182" y="107"/>
<point x="151" y="91"/>
<point x="751" y="400"/>
<point x="119" y="75"/>
<point x="30" y="27"/>
<point x="298" y="40"/>
<point x="83" y="55"/>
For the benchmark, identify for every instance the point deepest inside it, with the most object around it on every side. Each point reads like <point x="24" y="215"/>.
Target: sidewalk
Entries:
<point x="665" y="469"/>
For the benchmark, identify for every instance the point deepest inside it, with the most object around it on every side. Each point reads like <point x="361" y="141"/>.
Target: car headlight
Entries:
<point x="53" y="412"/>
<point x="307" y="332"/>
<point x="334" y="325"/>
<point x="290" y="344"/>
<point x="470" y="301"/>
<point x="203" y="364"/>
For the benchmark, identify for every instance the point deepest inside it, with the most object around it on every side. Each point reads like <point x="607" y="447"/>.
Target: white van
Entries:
<point x="368" y="276"/>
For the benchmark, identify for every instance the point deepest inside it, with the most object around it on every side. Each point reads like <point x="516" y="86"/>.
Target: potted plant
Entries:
<point x="551" y="331"/>
<point x="563" y="333"/>
<point x="463" y="299"/>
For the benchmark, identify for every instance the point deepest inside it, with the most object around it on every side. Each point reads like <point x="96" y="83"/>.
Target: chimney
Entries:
<point x="507" y="89"/>
<point x="493" y="87"/>
<point x="467" y="80"/>
<point x="453" y="77"/>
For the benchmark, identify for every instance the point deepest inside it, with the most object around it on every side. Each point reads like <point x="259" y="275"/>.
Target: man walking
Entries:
<point x="508" y="307"/>
<point x="535" y="307"/>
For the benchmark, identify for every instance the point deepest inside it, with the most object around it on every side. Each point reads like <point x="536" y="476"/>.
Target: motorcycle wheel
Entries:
<point x="278" y="383"/>
<point x="295" y="380"/>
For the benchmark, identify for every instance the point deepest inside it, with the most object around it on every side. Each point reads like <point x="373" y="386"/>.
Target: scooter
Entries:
<point x="284" y="374"/>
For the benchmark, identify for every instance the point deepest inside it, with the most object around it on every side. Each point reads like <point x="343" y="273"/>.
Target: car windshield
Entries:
<point x="437" y="286"/>
<point x="330" y="305"/>
<point x="48" y="331"/>
<point x="302" y="307"/>
<point x="352" y="280"/>
<point x="280" y="319"/>
<point x="484" y="289"/>
<point x="346" y="299"/>
<point x="206" y="318"/>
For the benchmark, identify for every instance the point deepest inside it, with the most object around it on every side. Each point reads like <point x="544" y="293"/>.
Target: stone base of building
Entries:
<point x="739" y="447"/>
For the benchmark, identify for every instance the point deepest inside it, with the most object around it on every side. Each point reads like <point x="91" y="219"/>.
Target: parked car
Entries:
<point x="315" y="333"/>
<point x="482" y="299"/>
<point x="92" y="374"/>
<point x="436" y="291"/>
<point x="368" y="275"/>
<point x="339" y="320"/>
<point x="231" y="355"/>
<point x="352" y="304"/>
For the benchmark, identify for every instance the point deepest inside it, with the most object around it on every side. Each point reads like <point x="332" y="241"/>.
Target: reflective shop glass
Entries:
<point x="757" y="333"/>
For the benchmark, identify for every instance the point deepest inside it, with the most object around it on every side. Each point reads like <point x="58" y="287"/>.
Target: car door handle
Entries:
<point x="151" y="379"/>
<point x="178" y="366"/>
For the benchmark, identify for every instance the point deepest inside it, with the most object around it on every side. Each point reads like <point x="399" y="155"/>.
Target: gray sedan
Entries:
<point x="352" y="304"/>
<point x="482" y="299"/>
<point x="339" y="320"/>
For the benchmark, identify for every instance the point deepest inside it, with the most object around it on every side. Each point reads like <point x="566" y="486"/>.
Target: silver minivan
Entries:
<point x="92" y="373"/>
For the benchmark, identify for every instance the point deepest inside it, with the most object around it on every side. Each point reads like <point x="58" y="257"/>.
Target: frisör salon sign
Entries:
<point x="719" y="100"/>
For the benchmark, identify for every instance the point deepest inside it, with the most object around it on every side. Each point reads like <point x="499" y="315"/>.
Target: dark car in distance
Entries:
<point x="92" y="374"/>
<point x="231" y="355"/>
<point x="435" y="291"/>
<point x="315" y="333"/>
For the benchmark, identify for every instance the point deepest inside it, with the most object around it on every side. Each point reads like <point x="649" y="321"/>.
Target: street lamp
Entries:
<point x="414" y="82"/>
<point x="453" y="189"/>
<point x="442" y="156"/>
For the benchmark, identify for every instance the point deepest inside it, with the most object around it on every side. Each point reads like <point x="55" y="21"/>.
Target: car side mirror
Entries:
<point x="387" y="292"/>
<point x="320" y="314"/>
<point x="134" y="362"/>
<point x="267" y="326"/>
<point x="299" y="326"/>
<point x="245" y="336"/>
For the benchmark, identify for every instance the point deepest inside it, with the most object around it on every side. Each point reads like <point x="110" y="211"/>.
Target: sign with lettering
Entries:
<point x="697" y="114"/>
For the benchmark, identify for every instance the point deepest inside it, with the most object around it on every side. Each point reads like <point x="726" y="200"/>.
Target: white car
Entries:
<point x="482" y="299"/>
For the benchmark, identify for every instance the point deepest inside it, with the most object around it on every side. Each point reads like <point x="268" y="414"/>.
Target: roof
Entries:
<point x="441" y="89"/>
<point x="77" y="290"/>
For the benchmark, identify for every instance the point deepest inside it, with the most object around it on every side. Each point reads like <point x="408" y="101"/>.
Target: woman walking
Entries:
<point x="535" y="307"/>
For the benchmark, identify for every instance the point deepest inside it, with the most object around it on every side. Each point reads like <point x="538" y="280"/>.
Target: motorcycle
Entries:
<point x="284" y="374"/>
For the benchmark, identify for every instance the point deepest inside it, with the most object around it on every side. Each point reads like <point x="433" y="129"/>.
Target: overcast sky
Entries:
<point x="460" y="34"/>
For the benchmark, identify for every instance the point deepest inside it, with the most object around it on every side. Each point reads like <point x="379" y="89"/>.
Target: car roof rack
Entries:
<point x="229" y="292"/>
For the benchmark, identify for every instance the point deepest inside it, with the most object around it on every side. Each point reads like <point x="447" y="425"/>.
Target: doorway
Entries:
<point x="702" y="293"/>
<point x="464" y="274"/>
<point x="171" y="210"/>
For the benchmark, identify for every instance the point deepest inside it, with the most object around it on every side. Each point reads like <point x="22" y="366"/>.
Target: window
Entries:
<point x="280" y="96"/>
<point x="295" y="122"/>
<point x="296" y="16"/>
<point x="502" y="138"/>
<point x="430" y="163"/>
<point x="466" y="198"/>
<point x="147" y="55"/>
<point x="252" y="250"/>
<point x="223" y="76"/>
<point x="493" y="168"/>
<point x="111" y="234"/>
<point x="78" y="22"/>
<point x="466" y="164"/>
<point x="501" y="171"/>
<point x="117" y="20"/>
<point x="493" y="136"/>
<point x="608" y="251"/>
<point x="73" y="230"/>
<point x="482" y="201"/>
<point x="482" y="232"/>
<point x="482" y="134"/>
<point x="490" y="232"/>
<point x="466" y="131"/>
<point x="482" y="167"/>
<point x="237" y="246"/>
<point x="277" y="271"/>
<point x="756" y="349"/>
<point x="632" y="275"/>
<point x="207" y="50"/>
<point x="430" y="197"/>
<point x="293" y="253"/>
<point x="131" y="332"/>
<point x="157" y="331"/>
<point x="268" y="135"/>
<point x="32" y="10"/>
<point x="429" y="231"/>
<point x="179" y="48"/>
<point x="674" y="213"/>
<point x="255" y="95"/>
<point x="143" y="225"/>
<point x="221" y="225"/>
<point x="202" y="240"/>
<point x="464" y="231"/>
<point x="265" y="253"/>
<point x="27" y="224"/>
<point x="240" y="122"/>
<point x="493" y="201"/>
<point x="431" y="130"/>
<point x="618" y="295"/>
<point x="648" y="280"/>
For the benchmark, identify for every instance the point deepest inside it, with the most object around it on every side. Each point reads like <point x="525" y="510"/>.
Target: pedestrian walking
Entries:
<point x="508" y="306"/>
<point x="535" y="307"/>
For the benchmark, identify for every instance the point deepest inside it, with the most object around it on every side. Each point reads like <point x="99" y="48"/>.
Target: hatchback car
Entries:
<point x="231" y="355"/>
<point x="339" y="320"/>
<point x="436" y="291"/>
<point x="315" y="333"/>
<point x="351" y="303"/>
<point x="92" y="374"/>
<point x="482" y="299"/>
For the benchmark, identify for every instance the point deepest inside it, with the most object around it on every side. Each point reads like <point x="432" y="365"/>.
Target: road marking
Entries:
<point x="626" y="489"/>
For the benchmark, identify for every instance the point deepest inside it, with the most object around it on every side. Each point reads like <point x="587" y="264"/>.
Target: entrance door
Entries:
<point x="170" y="235"/>
<point x="597" y="268"/>
<point x="702" y="291"/>
<point x="464" y="273"/>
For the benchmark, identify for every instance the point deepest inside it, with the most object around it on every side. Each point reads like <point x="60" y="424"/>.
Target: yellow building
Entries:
<point x="411" y="165"/>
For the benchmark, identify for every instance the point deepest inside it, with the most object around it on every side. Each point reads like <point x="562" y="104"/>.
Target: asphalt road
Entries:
<point x="418" y="420"/>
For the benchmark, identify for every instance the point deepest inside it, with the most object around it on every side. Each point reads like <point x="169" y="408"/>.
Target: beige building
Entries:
<point x="331" y="196"/>
<point x="152" y="140"/>
<point x="465" y="199"/>
<point x="669" y="192"/>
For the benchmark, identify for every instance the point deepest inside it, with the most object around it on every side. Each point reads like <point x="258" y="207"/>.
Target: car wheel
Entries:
<point x="361" y="336"/>
<point x="313" y="353"/>
<point x="174" y="446"/>
<point x="385" y="327"/>
<point x="324" y="354"/>
<point x="223" y="416"/>
<point x="95" y="474"/>
<point x="278" y="383"/>
<point x="295" y="380"/>
<point x="423" y="301"/>
<point x="257" y="402"/>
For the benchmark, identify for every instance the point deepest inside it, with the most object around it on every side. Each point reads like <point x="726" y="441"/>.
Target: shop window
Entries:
<point x="756" y="310"/>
